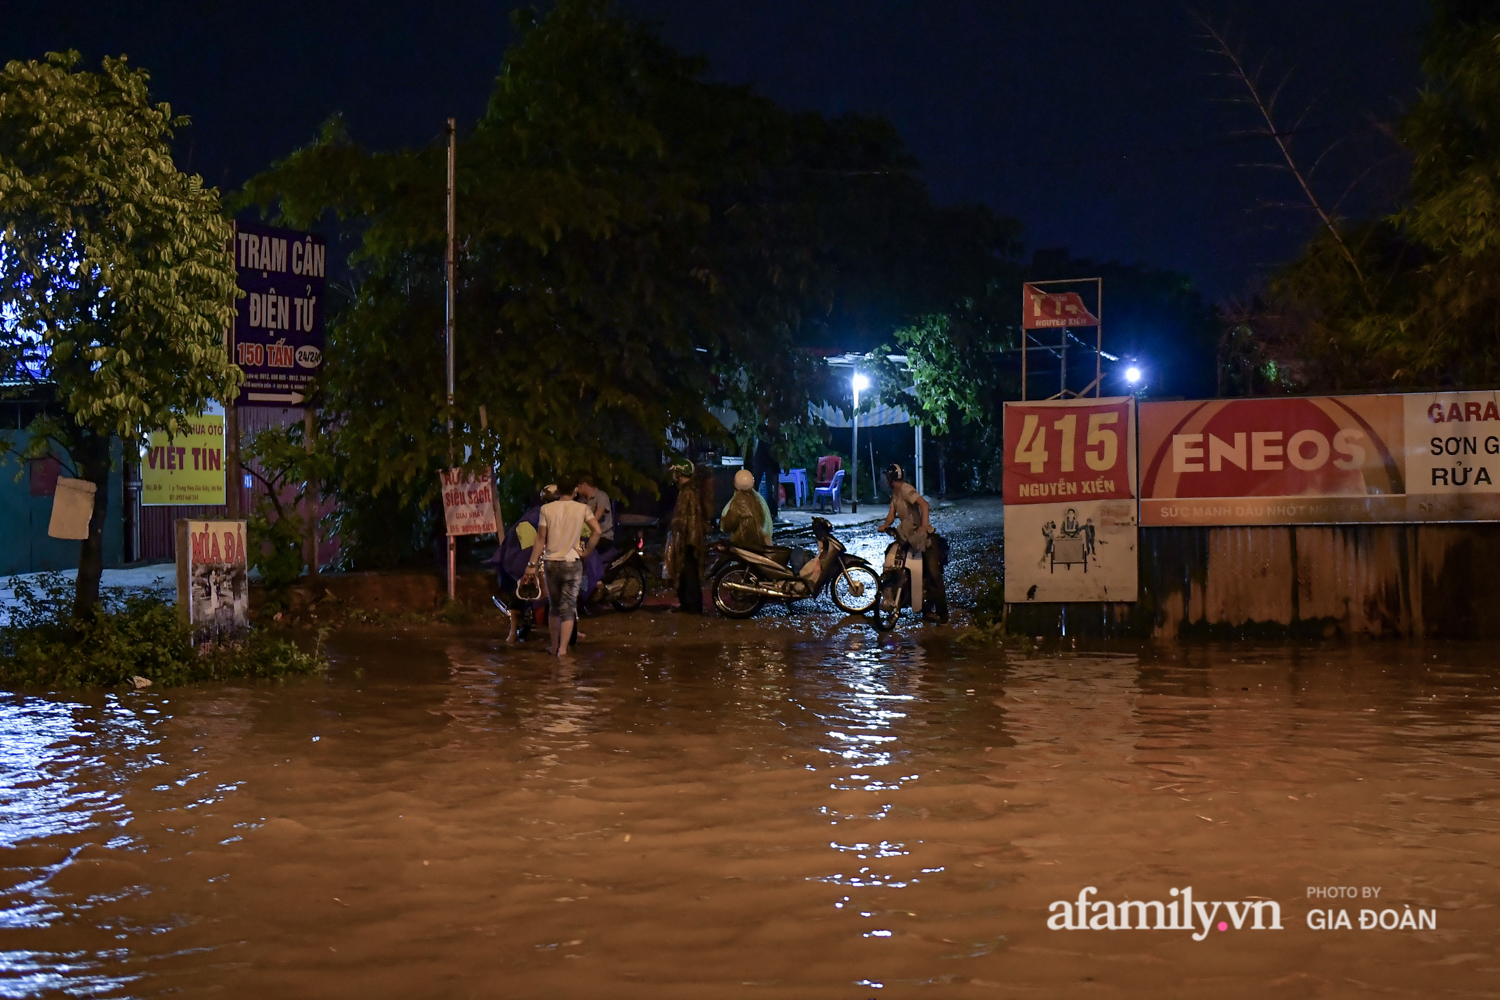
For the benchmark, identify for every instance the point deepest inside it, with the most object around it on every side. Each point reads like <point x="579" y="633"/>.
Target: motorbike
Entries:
<point x="901" y="567"/>
<point x="623" y="584"/>
<point x="744" y="579"/>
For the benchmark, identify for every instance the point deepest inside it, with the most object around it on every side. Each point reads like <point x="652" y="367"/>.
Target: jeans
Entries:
<point x="563" y="580"/>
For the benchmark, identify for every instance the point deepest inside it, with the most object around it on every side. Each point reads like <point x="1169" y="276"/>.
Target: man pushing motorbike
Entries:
<point x="915" y="533"/>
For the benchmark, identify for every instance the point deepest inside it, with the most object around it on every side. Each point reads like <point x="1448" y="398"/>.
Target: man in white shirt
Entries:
<point x="559" y="551"/>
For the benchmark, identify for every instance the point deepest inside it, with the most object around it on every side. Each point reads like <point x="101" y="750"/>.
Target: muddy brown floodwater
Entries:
<point x="788" y="808"/>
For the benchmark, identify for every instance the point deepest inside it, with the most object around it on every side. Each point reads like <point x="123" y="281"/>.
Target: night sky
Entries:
<point x="1101" y="125"/>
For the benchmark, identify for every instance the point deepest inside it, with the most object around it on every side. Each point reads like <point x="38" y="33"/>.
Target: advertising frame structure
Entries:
<point x="1364" y="459"/>
<point x="1070" y="501"/>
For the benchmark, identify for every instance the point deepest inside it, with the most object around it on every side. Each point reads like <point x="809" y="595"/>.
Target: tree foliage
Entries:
<point x="1431" y="316"/>
<point x="115" y="281"/>
<point x="636" y="246"/>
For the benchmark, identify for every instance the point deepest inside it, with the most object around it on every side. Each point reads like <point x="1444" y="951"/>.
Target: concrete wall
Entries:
<point x="1440" y="580"/>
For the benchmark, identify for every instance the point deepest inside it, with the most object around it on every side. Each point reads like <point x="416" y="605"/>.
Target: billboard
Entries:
<point x="187" y="469"/>
<point x="278" y="326"/>
<point x="1321" y="460"/>
<point x="1070" y="500"/>
<point x="213" y="588"/>
<point x="1052" y="310"/>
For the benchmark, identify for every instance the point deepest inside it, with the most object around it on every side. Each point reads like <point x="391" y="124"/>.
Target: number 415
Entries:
<point x="1032" y="448"/>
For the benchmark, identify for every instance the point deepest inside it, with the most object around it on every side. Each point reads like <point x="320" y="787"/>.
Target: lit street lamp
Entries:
<point x="859" y="382"/>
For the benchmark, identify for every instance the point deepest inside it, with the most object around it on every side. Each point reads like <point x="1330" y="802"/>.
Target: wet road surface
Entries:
<point x="790" y="807"/>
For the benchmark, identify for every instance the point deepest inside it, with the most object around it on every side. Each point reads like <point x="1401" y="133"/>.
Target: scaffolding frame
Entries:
<point x="1031" y="342"/>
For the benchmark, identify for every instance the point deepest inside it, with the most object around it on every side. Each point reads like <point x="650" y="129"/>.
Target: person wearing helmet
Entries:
<point x="746" y="518"/>
<point x="686" y="546"/>
<point x="915" y="532"/>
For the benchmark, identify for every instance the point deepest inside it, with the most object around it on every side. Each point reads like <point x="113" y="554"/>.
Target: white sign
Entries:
<point x="1070" y="501"/>
<point x="468" y="503"/>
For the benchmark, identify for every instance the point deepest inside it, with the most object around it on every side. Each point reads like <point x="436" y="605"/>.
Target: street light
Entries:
<point x="859" y="382"/>
<point x="1132" y="374"/>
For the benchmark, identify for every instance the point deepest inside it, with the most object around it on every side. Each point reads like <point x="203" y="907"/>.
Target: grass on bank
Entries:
<point x="131" y="634"/>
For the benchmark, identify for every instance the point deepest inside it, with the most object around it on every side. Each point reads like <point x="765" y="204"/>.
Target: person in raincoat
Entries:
<point x="746" y="518"/>
<point x="511" y="559"/>
<point x="687" y="550"/>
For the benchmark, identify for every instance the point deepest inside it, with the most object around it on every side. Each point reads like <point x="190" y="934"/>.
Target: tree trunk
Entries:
<point x="92" y="458"/>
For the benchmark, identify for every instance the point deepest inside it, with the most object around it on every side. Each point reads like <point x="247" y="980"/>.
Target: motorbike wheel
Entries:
<point x="632" y="590"/>
<point x="856" y="590"/>
<point x="733" y="603"/>
<point x="889" y="607"/>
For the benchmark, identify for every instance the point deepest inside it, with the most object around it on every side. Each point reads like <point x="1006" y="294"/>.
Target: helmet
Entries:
<point x="894" y="474"/>
<point x="549" y="492"/>
<point x="744" y="480"/>
<point x="681" y="467"/>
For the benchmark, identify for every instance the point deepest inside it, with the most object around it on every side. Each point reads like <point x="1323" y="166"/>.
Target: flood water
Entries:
<point x="761" y="810"/>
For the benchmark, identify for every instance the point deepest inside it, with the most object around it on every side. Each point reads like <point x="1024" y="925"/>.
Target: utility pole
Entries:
<point x="231" y="407"/>
<point x="451" y="268"/>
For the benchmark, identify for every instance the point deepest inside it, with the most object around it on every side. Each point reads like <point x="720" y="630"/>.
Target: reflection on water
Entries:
<point x="867" y="815"/>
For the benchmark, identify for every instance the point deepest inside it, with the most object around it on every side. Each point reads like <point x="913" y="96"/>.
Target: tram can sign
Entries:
<point x="1070" y="507"/>
<point x="1322" y="460"/>
<point x="278" y="327"/>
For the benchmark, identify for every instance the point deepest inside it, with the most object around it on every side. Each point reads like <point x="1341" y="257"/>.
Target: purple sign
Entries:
<point x="278" y="327"/>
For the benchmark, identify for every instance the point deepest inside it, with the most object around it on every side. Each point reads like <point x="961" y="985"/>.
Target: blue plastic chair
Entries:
<point x="831" y="492"/>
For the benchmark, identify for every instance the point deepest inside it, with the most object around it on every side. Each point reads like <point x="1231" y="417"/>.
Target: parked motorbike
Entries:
<point x="744" y="579"/>
<point x="624" y="581"/>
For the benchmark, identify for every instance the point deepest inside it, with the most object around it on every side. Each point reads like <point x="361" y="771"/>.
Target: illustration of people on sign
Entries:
<point x="1071" y="544"/>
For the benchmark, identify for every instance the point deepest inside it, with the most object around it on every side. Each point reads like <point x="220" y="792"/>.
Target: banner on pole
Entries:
<point x="1322" y="460"/>
<point x="468" y="503"/>
<point x="1046" y="310"/>
<point x="1070" y="507"/>
<point x="187" y="469"/>
<point x="278" y="326"/>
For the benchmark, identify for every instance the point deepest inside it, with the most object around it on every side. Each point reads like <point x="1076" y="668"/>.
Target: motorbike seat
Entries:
<point x="779" y="553"/>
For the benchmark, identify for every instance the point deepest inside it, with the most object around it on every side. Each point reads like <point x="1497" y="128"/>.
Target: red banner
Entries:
<point x="1043" y="310"/>
<point x="1067" y="450"/>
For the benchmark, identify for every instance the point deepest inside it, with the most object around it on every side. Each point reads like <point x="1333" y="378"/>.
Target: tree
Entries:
<point x="1411" y="298"/>
<point x="115" y="279"/>
<point x="636" y="245"/>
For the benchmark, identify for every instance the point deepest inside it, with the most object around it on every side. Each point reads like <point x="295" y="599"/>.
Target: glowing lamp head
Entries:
<point x="1132" y="374"/>
<point x="860" y="383"/>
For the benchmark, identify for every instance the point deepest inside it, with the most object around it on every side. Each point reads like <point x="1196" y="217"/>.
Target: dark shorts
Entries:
<point x="563" y="581"/>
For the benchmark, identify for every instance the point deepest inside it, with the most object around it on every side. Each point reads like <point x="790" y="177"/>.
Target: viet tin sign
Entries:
<point x="1322" y="460"/>
<point x="278" y="327"/>
<point x="188" y="468"/>
<point x="213" y="590"/>
<point x="468" y="503"/>
<point x="1070" y="509"/>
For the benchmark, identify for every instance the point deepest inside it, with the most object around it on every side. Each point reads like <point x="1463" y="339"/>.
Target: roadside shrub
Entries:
<point x="131" y="634"/>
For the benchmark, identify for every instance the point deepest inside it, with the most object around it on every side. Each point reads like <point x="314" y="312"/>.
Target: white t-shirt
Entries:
<point x="564" y="520"/>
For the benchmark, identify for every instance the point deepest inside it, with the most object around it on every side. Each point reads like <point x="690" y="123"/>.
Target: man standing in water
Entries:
<point x="602" y="508"/>
<point x="686" y="549"/>
<point x="560" y="548"/>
